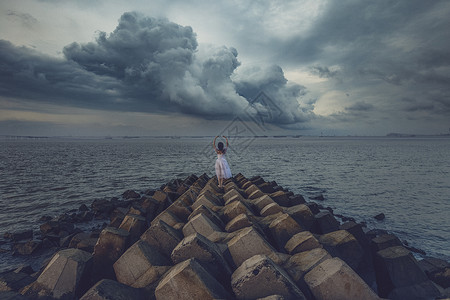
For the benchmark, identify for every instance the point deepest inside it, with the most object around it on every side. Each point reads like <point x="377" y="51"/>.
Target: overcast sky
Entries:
<point x="97" y="67"/>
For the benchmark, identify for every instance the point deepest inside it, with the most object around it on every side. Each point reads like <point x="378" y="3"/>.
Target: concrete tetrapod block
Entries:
<point x="189" y="280"/>
<point x="207" y="253"/>
<point x="325" y="222"/>
<point x="213" y="216"/>
<point x="270" y="209"/>
<point x="261" y="202"/>
<point x="396" y="267"/>
<point x="206" y="201"/>
<point x="180" y="209"/>
<point x="239" y="222"/>
<point x="384" y="241"/>
<point x="234" y="209"/>
<point x="14" y="281"/>
<point x="135" y="225"/>
<point x="343" y="245"/>
<point x="232" y="196"/>
<point x="163" y="237"/>
<point x="111" y="244"/>
<point x="259" y="277"/>
<point x="302" y="214"/>
<point x="301" y="263"/>
<point x="107" y="289"/>
<point x="333" y="279"/>
<point x="282" y="229"/>
<point x="251" y="189"/>
<point x="66" y="276"/>
<point x="200" y="224"/>
<point x="169" y="218"/>
<point x="281" y="198"/>
<point x="256" y="194"/>
<point x="141" y="265"/>
<point x="247" y="243"/>
<point x="302" y="241"/>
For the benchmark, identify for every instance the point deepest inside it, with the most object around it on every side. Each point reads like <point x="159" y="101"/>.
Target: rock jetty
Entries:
<point x="191" y="239"/>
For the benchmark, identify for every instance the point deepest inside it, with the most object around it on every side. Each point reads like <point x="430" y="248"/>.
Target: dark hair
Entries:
<point x="220" y="146"/>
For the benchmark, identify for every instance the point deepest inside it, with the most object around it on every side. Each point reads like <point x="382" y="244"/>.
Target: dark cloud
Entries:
<point x="147" y="64"/>
<point x="360" y="106"/>
<point x="323" y="72"/>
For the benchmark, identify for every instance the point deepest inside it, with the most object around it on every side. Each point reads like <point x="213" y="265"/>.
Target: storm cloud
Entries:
<point x="151" y="65"/>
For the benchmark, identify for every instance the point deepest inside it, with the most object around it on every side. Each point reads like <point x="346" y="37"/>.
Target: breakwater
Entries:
<point x="190" y="239"/>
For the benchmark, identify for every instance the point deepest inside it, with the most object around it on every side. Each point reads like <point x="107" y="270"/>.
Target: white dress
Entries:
<point x="222" y="167"/>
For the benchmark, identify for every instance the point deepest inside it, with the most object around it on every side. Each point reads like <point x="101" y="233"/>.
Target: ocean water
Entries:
<point x="407" y="179"/>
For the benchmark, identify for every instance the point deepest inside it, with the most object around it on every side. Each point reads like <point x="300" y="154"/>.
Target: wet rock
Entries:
<point x="14" y="281"/>
<point x="437" y="270"/>
<point x="111" y="244"/>
<point x="259" y="277"/>
<point x="302" y="241"/>
<point x="314" y="207"/>
<point x="318" y="197"/>
<point x="78" y="238"/>
<point x="107" y="289"/>
<point x="10" y="295"/>
<point x="343" y="245"/>
<point x="189" y="278"/>
<point x="247" y="243"/>
<point x="65" y="277"/>
<point x="26" y="248"/>
<point x="83" y="207"/>
<point x="380" y="217"/>
<point x="140" y="265"/>
<point x="325" y="223"/>
<point x="396" y="267"/>
<point x="19" y="236"/>
<point x="334" y="279"/>
<point x="163" y="237"/>
<point x="130" y="194"/>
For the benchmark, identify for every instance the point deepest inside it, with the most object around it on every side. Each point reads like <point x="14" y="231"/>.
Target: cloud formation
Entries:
<point x="150" y="65"/>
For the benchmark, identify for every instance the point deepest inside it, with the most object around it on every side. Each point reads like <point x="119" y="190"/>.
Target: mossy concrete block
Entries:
<point x="259" y="277"/>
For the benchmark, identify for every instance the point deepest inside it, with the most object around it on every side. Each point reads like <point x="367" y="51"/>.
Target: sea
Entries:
<point x="406" y="178"/>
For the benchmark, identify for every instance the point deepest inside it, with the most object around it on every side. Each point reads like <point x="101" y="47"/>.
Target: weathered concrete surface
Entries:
<point x="207" y="253"/>
<point x="261" y="202"/>
<point x="325" y="222"/>
<point x="239" y="222"/>
<point x="189" y="280"/>
<point x="301" y="263"/>
<point x="282" y="229"/>
<point x="259" y="277"/>
<point x="270" y="209"/>
<point x="163" y="237"/>
<point x="141" y="265"/>
<point x="232" y="210"/>
<point x="397" y="269"/>
<point x="201" y="224"/>
<point x="247" y="243"/>
<point x="384" y="241"/>
<point x="66" y="276"/>
<point x="302" y="241"/>
<point x="212" y="215"/>
<point x="302" y="214"/>
<point x="111" y="244"/>
<point x="343" y="245"/>
<point x="135" y="225"/>
<point x="107" y="289"/>
<point x="333" y="279"/>
<point x="11" y="295"/>
<point x="14" y="281"/>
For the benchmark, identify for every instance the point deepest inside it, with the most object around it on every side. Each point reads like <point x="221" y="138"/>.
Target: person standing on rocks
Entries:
<point x="222" y="168"/>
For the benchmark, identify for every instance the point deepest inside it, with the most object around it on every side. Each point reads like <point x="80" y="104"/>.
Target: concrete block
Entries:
<point x="256" y="194"/>
<point x="247" y="243"/>
<point x="281" y="197"/>
<point x="384" y="241"/>
<point x="141" y="265"/>
<point x="282" y="229"/>
<point x="14" y="281"/>
<point x="209" y="202"/>
<point x="66" y="276"/>
<point x="163" y="237"/>
<point x="107" y="289"/>
<point x="270" y="209"/>
<point x="333" y="279"/>
<point x="212" y="215"/>
<point x="259" y="277"/>
<point x="234" y="209"/>
<point x="135" y="225"/>
<point x="200" y="224"/>
<point x="111" y="244"/>
<point x="261" y="202"/>
<point x="302" y="214"/>
<point x="167" y="217"/>
<point x="189" y="280"/>
<point x="301" y="263"/>
<point x="343" y="245"/>
<point x="239" y="222"/>
<point x="251" y="189"/>
<point x="302" y="241"/>
<point x="325" y="223"/>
